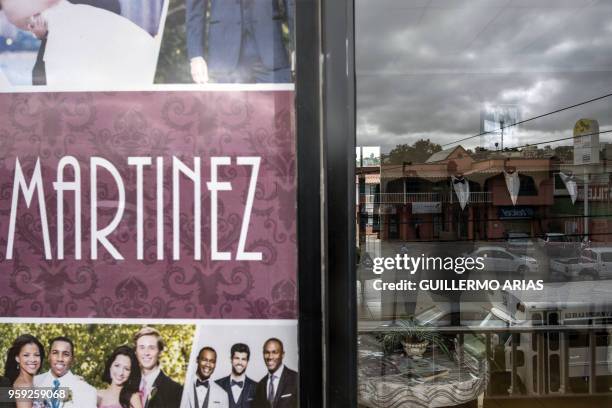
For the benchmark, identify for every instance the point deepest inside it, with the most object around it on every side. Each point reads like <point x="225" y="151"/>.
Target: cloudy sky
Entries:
<point x="428" y="68"/>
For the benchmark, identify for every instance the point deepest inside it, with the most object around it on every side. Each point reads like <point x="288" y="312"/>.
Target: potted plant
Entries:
<point x="413" y="337"/>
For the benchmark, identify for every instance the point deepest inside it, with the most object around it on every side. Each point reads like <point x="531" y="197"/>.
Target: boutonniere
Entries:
<point x="69" y="397"/>
<point x="152" y="394"/>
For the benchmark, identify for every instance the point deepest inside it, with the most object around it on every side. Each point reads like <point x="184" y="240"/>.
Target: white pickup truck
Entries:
<point x="593" y="263"/>
<point x="559" y="361"/>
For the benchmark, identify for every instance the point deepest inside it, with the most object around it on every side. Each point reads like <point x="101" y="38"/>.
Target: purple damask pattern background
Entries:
<point x="156" y="124"/>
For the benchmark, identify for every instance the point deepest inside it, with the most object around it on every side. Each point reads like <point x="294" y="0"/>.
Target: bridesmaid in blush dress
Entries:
<point x="122" y="373"/>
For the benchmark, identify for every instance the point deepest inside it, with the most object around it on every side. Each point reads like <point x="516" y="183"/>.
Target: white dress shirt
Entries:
<point x="82" y="394"/>
<point x="149" y="379"/>
<point x="236" y="390"/>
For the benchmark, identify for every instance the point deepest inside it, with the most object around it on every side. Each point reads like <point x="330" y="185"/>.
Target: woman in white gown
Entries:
<point x="89" y="47"/>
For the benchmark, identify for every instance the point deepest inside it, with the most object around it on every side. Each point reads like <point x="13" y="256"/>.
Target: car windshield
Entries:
<point x="493" y="321"/>
<point x="555" y="238"/>
<point x="518" y="237"/>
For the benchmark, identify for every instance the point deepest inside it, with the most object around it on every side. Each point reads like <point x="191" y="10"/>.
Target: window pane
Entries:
<point x="483" y="134"/>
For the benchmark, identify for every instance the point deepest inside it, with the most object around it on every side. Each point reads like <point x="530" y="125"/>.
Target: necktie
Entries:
<point x="55" y="402"/>
<point x="271" y="389"/>
<point x="143" y="392"/>
<point x="202" y="383"/>
<point x="238" y="383"/>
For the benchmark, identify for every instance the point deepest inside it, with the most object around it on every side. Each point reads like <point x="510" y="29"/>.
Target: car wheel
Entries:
<point x="588" y="275"/>
<point x="522" y="271"/>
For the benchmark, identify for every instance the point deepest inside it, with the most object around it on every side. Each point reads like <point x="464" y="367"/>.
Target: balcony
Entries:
<point x="478" y="197"/>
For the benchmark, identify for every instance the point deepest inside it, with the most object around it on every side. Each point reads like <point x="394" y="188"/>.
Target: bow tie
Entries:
<point x="238" y="383"/>
<point x="457" y="181"/>
<point x="568" y="177"/>
<point x="203" y="383"/>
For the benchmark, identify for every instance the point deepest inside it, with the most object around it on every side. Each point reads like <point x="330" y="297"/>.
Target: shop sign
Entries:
<point x="586" y="142"/>
<point x="387" y="209"/>
<point x="597" y="192"/>
<point x="515" y="213"/>
<point x="428" y="207"/>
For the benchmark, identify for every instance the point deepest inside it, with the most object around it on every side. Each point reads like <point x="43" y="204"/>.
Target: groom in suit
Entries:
<point x="157" y="390"/>
<point x="59" y="376"/>
<point x="244" y="40"/>
<point x="279" y="388"/>
<point x="240" y="388"/>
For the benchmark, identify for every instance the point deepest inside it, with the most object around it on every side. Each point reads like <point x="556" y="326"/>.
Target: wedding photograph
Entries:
<point x="219" y="41"/>
<point x="79" y="44"/>
<point x="95" y="365"/>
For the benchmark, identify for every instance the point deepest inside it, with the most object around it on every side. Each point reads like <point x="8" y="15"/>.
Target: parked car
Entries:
<point x="594" y="263"/>
<point x="497" y="260"/>
<point x="519" y="243"/>
<point x="558" y="244"/>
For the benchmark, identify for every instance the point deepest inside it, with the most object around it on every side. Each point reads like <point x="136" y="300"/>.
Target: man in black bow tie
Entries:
<point x="240" y="388"/>
<point x="203" y="392"/>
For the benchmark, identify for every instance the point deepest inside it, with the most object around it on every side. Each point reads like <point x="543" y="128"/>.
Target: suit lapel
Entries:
<point x="250" y="390"/>
<point x="281" y="386"/>
<point x="227" y="387"/>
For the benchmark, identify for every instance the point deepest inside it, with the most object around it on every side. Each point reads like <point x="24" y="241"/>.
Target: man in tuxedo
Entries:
<point x="244" y="40"/>
<point x="240" y="388"/>
<point x="59" y="376"/>
<point x="278" y="389"/>
<point x="202" y="392"/>
<point x="157" y="390"/>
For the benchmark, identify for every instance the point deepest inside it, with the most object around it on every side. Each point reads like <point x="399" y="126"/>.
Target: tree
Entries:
<point x="173" y="63"/>
<point x="419" y="152"/>
<point x="95" y="342"/>
<point x="565" y="153"/>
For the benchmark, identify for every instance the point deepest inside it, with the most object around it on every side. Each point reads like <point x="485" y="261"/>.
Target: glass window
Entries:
<point x="492" y="121"/>
<point x="606" y="256"/>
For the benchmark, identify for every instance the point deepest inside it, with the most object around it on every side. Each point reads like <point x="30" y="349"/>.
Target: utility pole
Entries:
<point x="501" y="126"/>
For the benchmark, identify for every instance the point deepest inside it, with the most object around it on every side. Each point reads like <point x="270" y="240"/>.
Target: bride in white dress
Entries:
<point x="89" y="47"/>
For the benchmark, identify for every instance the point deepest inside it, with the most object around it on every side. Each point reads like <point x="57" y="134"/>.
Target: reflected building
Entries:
<point x="417" y="202"/>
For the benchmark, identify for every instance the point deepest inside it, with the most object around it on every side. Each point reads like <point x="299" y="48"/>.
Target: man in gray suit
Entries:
<point x="244" y="40"/>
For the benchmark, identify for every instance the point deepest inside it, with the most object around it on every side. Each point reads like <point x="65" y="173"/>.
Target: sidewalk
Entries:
<point x="567" y="402"/>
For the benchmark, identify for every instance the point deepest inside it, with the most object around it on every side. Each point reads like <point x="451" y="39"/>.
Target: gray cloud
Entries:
<point x="427" y="68"/>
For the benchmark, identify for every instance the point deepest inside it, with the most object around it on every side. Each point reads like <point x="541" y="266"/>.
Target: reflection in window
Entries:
<point x="494" y="125"/>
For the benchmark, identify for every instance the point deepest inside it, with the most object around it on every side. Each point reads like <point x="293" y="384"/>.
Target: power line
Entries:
<point x="529" y="120"/>
<point x="561" y="139"/>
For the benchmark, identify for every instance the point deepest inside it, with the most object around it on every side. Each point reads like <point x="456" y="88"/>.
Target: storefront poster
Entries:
<point x="133" y="211"/>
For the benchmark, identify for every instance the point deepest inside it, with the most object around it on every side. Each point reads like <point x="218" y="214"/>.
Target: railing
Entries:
<point x="538" y="344"/>
<point x="401" y="198"/>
